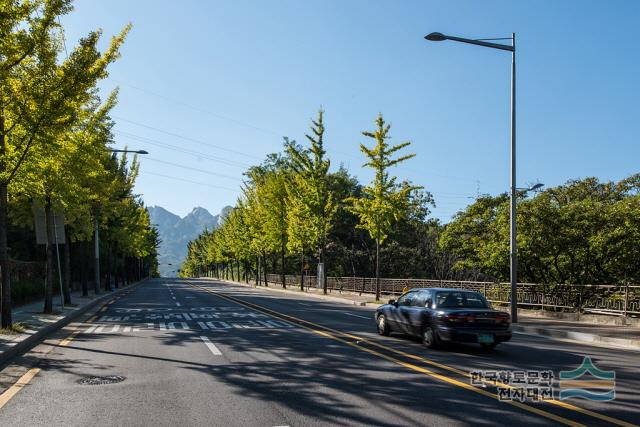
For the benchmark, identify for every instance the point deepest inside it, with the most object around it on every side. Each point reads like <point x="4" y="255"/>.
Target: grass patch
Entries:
<point x="16" y="328"/>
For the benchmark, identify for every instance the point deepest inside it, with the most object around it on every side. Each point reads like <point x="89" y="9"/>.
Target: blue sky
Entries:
<point x="214" y="85"/>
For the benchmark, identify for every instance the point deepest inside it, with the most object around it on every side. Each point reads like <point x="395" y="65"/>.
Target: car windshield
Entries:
<point x="460" y="299"/>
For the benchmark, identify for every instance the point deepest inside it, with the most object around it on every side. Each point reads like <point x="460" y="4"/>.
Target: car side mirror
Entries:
<point x="393" y="302"/>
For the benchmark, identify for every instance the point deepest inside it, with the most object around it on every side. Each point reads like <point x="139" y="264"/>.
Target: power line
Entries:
<point x="239" y="122"/>
<point x="195" y="153"/>
<point x="189" y="181"/>
<point x="191" y="168"/>
<point x="202" y="110"/>
<point x="187" y="138"/>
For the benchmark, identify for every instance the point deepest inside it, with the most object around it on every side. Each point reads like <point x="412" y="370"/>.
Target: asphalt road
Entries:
<point x="200" y="352"/>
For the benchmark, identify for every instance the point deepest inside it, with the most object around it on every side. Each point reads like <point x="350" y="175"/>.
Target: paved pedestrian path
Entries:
<point x="37" y="324"/>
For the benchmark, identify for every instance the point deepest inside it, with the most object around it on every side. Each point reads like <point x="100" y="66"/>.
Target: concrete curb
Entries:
<point x="29" y="342"/>
<point x="631" y="344"/>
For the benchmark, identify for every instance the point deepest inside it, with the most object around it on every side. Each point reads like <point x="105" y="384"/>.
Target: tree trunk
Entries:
<point x="84" y="258"/>
<point x="5" y="271"/>
<point x="125" y="272"/>
<point x="107" y="282"/>
<point x="264" y="270"/>
<point x="282" y="272"/>
<point x="302" y="271"/>
<point x="378" y="269"/>
<point x="324" y="270"/>
<point x="258" y="280"/>
<point x="66" y="288"/>
<point x="96" y="257"/>
<point x="48" y="290"/>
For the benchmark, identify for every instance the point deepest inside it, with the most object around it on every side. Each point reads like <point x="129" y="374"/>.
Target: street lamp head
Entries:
<point x="435" y="37"/>
<point x="536" y="187"/>
<point x="142" y="152"/>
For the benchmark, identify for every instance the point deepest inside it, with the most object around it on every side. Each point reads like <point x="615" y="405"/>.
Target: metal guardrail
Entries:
<point x="604" y="299"/>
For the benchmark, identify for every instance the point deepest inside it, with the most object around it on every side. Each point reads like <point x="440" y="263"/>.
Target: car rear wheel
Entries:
<point x="383" y="326"/>
<point x="430" y="337"/>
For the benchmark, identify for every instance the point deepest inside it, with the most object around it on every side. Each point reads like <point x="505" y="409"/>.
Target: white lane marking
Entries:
<point x="172" y="325"/>
<point x="355" y="315"/>
<point x="173" y="297"/>
<point x="100" y="329"/>
<point x="178" y="304"/>
<point x="202" y="325"/>
<point x="186" y="316"/>
<point x="211" y="346"/>
<point x="127" y="329"/>
<point x="91" y="329"/>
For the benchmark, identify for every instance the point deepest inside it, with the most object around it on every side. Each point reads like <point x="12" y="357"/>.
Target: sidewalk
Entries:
<point x="616" y="336"/>
<point x="39" y="325"/>
<point x="627" y="337"/>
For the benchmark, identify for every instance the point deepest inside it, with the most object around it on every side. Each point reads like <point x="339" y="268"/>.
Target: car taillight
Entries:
<point x="503" y="318"/>
<point x="457" y="318"/>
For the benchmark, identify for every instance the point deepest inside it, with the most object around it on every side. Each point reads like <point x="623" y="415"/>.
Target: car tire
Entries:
<point x="383" y="326"/>
<point x="430" y="337"/>
<point x="489" y="346"/>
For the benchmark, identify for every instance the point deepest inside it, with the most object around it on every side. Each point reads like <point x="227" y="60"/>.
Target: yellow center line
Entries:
<point x="326" y="333"/>
<point x="23" y="381"/>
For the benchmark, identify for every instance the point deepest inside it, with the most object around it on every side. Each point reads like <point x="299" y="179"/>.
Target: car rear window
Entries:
<point x="460" y="299"/>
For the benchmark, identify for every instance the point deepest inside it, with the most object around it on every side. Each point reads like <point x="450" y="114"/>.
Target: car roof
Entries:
<point x="441" y="289"/>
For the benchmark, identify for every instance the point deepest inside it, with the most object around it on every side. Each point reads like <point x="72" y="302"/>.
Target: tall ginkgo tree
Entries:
<point x="384" y="200"/>
<point x="24" y="27"/>
<point x="311" y="191"/>
<point x="41" y="95"/>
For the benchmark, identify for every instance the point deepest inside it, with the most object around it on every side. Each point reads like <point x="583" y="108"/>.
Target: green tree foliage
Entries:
<point x="54" y="134"/>
<point x="313" y="204"/>
<point x="384" y="201"/>
<point x="584" y="232"/>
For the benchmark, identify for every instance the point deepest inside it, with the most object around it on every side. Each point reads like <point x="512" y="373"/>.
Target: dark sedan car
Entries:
<point x="445" y="315"/>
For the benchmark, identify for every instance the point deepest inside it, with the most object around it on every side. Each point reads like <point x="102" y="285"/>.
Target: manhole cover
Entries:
<point x="109" y="379"/>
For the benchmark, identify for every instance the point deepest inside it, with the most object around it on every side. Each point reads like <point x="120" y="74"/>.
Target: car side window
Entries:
<point x="426" y="299"/>
<point x="420" y="299"/>
<point x="406" y="299"/>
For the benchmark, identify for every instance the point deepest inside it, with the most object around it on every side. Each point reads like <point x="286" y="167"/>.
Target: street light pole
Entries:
<point x="513" y="253"/>
<point x="513" y="265"/>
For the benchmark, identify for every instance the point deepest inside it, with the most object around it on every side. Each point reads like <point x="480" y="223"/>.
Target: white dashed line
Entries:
<point x="355" y="315"/>
<point x="178" y="304"/>
<point x="211" y="346"/>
